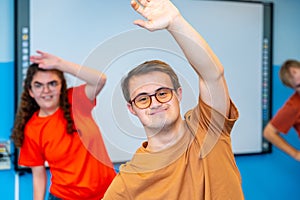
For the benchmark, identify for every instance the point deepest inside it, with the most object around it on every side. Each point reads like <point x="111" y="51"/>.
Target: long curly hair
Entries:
<point x="28" y="105"/>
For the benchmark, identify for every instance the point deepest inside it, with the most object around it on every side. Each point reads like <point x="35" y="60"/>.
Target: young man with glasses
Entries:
<point x="188" y="158"/>
<point x="54" y="124"/>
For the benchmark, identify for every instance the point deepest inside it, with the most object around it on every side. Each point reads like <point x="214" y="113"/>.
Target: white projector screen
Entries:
<point x="100" y="34"/>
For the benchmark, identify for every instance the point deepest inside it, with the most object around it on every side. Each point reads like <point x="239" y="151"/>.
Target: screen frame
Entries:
<point x="22" y="53"/>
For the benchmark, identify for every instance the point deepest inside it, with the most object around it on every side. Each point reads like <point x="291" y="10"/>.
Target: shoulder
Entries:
<point x="294" y="100"/>
<point x="203" y="112"/>
<point x="203" y="118"/>
<point x="117" y="189"/>
<point x="292" y="103"/>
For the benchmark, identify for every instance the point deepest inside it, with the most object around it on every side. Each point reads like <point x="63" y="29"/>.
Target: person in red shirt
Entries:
<point x="54" y="124"/>
<point x="288" y="115"/>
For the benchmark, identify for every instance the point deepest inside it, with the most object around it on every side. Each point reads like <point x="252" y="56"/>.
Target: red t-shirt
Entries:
<point x="288" y="115"/>
<point x="79" y="163"/>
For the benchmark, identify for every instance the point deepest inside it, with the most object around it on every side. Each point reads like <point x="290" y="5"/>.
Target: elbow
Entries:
<point x="101" y="82"/>
<point x="221" y="73"/>
<point x="266" y="134"/>
<point x="218" y="75"/>
<point x="103" y="79"/>
<point x="99" y="86"/>
<point x="269" y="132"/>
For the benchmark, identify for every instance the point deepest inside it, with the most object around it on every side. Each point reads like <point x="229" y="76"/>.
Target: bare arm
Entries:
<point x="94" y="79"/>
<point x="39" y="182"/>
<point x="162" y="14"/>
<point x="273" y="136"/>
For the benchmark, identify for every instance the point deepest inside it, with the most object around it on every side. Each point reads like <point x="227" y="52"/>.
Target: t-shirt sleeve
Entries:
<point x="79" y="101"/>
<point x="205" y="118"/>
<point x="209" y="125"/>
<point x="30" y="153"/>
<point x="286" y="116"/>
<point x="117" y="190"/>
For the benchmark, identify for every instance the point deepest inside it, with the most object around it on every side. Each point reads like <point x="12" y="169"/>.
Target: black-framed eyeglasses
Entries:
<point x="37" y="86"/>
<point x="144" y="100"/>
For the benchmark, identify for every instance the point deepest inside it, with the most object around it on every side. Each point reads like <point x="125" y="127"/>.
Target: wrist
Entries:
<point x="176" y="22"/>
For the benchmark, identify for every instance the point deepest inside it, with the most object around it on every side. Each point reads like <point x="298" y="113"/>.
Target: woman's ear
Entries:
<point x="30" y="93"/>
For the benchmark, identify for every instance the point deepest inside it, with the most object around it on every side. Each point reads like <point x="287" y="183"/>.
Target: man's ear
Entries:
<point x="179" y="94"/>
<point x="130" y="108"/>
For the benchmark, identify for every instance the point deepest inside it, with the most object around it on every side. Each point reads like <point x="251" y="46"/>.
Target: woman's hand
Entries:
<point x="46" y="60"/>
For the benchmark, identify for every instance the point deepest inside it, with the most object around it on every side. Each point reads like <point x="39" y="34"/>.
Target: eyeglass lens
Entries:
<point x="50" y="85"/>
<point x="162" y="95"/>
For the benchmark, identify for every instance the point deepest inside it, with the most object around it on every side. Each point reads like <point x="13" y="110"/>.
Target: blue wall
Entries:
<point x="7" y="90"/>
<point x="269" y="176"/>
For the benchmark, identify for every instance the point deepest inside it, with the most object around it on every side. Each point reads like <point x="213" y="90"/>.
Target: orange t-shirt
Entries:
<point x="78" y="169"/>
<point x="201" y="166"/>
<point x="288" y="115"/>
